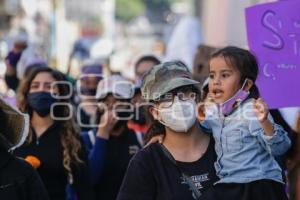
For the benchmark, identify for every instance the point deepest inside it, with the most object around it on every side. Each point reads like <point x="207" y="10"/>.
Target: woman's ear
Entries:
<point x="248" y="84"/>
<point x="153" y="112"/>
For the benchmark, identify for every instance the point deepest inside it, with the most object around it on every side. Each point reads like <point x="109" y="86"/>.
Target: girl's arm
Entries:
<point x="272" y="136"/>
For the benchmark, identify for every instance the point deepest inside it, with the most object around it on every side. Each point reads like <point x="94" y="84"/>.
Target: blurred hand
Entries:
<point x="106" y="124"/>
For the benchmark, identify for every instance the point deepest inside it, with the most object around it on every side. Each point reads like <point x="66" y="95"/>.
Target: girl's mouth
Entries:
<point x="217" y="93"/>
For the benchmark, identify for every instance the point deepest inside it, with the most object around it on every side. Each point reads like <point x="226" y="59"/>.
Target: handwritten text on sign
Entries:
<point x="273" y="31"/>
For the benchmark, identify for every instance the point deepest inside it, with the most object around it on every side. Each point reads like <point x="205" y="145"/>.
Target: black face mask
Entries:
<point x="139" y="115"/>
<point x="88" y="92"/>
<point x="41" y="102"/>
<point x="124" y="115"/>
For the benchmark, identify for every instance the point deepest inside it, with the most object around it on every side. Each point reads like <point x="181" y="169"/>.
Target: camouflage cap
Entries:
<point x="165" y="77"/>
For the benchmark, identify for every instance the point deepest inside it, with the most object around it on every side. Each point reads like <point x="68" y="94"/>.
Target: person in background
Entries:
<point x="142" y="65"/>
<point x="18" y="179"/>
<point x="293" y="165"/>
<point x="201" y="62"/>
<point x="294" y="182"/>
<point x="85" y="98"/>
<point x="53" y="143"/>
<point x="113" y="144"/>
<point x="11" y="62"/>
<point x="140" y="121"/>
<point x="294" y="155"/>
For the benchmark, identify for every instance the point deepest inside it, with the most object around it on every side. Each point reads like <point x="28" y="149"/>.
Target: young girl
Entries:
<point x="246" y="138"/>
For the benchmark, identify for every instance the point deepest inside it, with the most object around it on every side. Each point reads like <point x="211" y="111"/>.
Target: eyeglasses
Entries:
<point x="167" y="100"/>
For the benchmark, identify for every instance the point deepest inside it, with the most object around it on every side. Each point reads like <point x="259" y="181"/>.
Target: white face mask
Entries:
<point x="179" y="117"/>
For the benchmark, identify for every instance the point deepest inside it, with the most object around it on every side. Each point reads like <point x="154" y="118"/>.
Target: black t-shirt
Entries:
<point x="120" y="150"/>
<point x="152" y="175"/>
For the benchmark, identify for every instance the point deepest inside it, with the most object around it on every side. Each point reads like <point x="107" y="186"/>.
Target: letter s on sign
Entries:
<point x="278" y="43"/>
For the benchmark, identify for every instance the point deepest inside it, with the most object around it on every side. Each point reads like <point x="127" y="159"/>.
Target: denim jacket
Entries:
<point x="244" y="152"/>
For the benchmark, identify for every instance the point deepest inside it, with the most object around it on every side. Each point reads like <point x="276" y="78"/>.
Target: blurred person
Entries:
<point x="7" y="94"/>
<point x="287" y="160"/>
<point x="18" y="179"/>
<point x="294" y="182"/>
<point x="293" y="164"/>
<point x="201" y="62"/>
<point x="140" y="120"/>
<point x="112" y="145"/>
<point x="32" y="66"/>
<point x="142" y="65"/>
<point x="182" y="167"/>
<point x="11" y="62"/>
<point x="88" y="82"/>
<point x="53" y="144"/>
<point x="294" y="154"/>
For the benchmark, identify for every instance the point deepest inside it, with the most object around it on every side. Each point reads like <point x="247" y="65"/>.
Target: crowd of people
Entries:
<point x="167" y="134"/>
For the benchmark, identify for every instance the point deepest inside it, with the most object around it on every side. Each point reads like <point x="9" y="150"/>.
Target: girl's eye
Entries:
<point x="47" y="86"/>
<point x="211" y="76"/>
<point x="225" y="75"/>
<point x="34" y="86"/>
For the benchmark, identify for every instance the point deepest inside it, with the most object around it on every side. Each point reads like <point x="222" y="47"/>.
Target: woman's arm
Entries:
<point x="97" y="157"/>
<point x="82" y="177"/>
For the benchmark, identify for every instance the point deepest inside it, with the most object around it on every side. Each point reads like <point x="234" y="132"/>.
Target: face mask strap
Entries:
<point x="244" y="84"/>
<point x="157" y="109"/>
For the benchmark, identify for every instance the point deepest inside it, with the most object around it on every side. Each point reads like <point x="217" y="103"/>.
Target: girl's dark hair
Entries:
<point x="244" y="61"/>
<point x="70" y="131"/>
<point x="157" y="128"/>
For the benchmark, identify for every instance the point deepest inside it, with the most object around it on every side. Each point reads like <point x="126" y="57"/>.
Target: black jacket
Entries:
<point x="18" y="180"/>
<point x="49" y="150"/>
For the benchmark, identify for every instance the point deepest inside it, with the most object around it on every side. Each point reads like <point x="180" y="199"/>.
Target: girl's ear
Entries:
<point x="154" y="112"/>
<point x="248" y="84"/>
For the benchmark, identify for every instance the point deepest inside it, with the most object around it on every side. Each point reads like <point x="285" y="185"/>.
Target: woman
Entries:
<point x="54" y="144"/>
<point x="182" y="167"/>
<point x="113" y="144"/>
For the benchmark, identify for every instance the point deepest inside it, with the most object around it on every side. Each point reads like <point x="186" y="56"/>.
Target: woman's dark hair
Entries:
<point x="32" y="67"/>
<point x="244" y="61"/>
<point x="157" y="128"/>
<point x="70" y="131"/>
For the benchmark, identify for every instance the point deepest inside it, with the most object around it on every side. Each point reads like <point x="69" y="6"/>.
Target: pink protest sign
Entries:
<point x="273" y="31"/>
